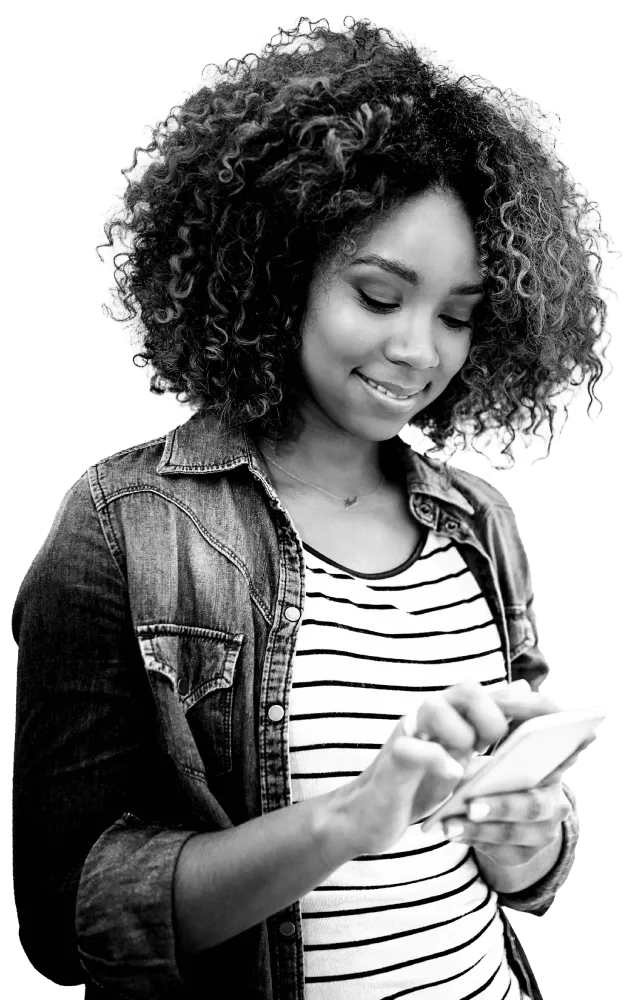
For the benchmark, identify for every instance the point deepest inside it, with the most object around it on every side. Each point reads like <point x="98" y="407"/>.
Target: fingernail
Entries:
<point x="409" y="724"/>
<point x="526" y="683"/>
<point x="453" y="769"/>
<point x="454" y="829"/>
<point x="478" y="810"/>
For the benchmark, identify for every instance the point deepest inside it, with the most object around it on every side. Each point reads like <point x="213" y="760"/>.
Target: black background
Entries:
<point x="73" y="392"/>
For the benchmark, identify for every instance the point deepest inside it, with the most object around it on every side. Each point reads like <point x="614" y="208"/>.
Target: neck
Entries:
<point x="341" y="472"/>
<point x="330" y="458"/>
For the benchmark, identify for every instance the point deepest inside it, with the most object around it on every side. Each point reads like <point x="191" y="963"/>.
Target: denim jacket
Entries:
<point x="157" y="628"/>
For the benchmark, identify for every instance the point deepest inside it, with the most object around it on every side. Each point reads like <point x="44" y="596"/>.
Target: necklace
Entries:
<point x="348" y="501"/>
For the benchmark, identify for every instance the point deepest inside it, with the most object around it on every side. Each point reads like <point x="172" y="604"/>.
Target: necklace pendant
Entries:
<point x="350" y="502"/>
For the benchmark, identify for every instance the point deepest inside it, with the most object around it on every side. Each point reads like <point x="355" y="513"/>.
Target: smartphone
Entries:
<point x="535" y="749"/>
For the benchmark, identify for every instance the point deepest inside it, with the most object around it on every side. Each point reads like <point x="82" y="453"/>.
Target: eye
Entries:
<point x="457" y="324"/>
<point x="374" y="304"/>
<point x="384" y="307"/>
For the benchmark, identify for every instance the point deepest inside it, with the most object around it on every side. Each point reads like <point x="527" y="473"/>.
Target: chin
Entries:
<point x="377" y="431"/>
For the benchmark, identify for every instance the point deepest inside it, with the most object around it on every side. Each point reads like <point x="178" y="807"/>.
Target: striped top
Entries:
<point x="416" y="921"/>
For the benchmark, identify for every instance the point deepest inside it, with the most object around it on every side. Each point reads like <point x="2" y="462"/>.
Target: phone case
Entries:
<point x="525" y="759"/>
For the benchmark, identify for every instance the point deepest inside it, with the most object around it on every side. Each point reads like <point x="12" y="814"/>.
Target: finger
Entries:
<point x="423" y="772"/>
<point x="441" y="722"/>
<point x="479" y="708"/>
<point x="418" y="759"/>
<point x="507" y="855"/>
<point x="533" y="806"/>
<point x="518" y="701"/>
<point x="536" y="835"/>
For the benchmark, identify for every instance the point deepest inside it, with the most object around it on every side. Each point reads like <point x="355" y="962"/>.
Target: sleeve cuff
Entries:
<point x="537" y="898"/>
<point x="124" y="913"/>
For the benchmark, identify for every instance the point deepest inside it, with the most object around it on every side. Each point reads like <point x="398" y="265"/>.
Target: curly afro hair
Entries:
<point x="288" y="160"/>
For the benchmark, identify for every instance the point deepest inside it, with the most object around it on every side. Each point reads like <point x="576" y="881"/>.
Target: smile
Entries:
<point x="394" y="402"/>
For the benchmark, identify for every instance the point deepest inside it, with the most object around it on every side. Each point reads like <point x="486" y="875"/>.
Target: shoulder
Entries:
<point x="123" y="469"/>
<point x="481" y="494"/>
<point x="121" y="466"/>
<point x="489" y="511"/>
<point x="445" y="478"/>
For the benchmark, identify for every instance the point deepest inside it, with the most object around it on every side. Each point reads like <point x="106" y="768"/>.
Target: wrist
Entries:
<point x="337" y="830"/>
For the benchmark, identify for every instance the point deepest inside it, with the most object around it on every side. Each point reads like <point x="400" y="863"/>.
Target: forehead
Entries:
<point x="430" y="233"/>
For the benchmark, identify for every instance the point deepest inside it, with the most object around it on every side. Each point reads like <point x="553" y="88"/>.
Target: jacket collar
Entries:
<point x="201" y="447"/>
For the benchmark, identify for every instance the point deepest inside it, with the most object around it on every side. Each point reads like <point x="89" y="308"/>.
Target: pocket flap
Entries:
<point x="195" y="660"/>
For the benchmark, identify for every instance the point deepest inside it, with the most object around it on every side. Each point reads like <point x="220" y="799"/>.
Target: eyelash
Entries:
<point x="385" y="307"/>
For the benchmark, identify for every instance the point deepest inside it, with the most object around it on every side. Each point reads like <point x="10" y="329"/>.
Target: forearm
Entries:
<point x="227" y="881"/>
<point x="509" y="879"/>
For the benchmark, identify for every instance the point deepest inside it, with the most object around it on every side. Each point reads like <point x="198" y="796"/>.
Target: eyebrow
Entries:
<point x="411" y="276"/>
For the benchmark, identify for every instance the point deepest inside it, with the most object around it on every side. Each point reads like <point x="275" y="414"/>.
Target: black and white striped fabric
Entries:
<point x="417" y="921"/>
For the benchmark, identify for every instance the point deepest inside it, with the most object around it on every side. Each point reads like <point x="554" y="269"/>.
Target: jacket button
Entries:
<point x="276" y="713"/>
<point x="292" y="614"/>
<point x="287" y="929"/>
<point x="183" y="686"/>
<point x="451" y="525"/>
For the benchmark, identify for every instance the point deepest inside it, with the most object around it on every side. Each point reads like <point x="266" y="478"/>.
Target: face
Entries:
<point x="383" y="337"/>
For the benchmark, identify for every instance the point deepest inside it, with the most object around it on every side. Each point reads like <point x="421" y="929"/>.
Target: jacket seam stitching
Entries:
<point x="116" y="555"/>
<point x="133" y="448"/>
<point x="129" y="491"/>
<point x="529" y="595"/>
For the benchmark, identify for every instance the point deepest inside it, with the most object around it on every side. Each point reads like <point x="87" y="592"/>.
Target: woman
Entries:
<point x="256" y="652"/>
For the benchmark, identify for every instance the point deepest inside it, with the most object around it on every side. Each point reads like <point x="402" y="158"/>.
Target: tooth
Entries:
<point x="383" y="390"/>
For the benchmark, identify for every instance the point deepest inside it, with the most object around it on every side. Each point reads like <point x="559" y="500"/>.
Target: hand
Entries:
<point x="512" y="829"/>
<point x="412" y="774"/>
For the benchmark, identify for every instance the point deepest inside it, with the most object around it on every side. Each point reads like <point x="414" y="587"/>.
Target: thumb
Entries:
<point x="425" y="773"/>
<point x="476" y="763"/>
<point x="423" y="761"/>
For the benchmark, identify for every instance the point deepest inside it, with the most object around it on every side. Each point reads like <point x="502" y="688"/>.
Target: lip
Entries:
<point x="402" y="405"/>
<point x="404" y="391"/>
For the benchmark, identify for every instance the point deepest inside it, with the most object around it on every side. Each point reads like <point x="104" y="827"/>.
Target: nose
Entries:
<point x="414" y="346"/>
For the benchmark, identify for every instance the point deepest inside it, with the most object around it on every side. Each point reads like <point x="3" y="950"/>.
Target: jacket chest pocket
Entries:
<point x="191" y="672"/>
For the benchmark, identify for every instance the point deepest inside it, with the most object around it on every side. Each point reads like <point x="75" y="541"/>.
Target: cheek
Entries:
<point x="335" y="338"/>
<point x="454" y="352"/>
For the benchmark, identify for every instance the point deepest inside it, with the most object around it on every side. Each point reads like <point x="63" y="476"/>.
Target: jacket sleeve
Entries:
<point x="538" y="898"/>
<point x="99" y="815"/>
<point x="528" y="663"/>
